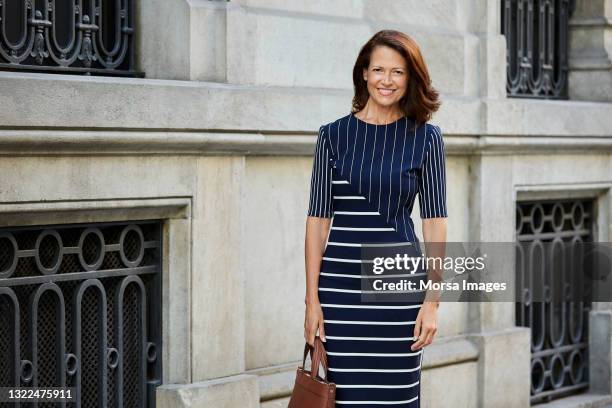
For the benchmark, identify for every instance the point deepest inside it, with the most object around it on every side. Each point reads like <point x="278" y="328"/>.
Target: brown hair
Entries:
<point x="420" y="99"/>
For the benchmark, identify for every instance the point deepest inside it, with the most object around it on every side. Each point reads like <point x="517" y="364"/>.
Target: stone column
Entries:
<point x="181" y="39"/>
<point x="600" y="317"/>
<point x="590" y="49"/>
<point x="600" y="351"/>
<point x="503" y="347"/>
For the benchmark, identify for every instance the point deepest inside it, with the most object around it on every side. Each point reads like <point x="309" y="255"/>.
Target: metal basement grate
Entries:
<point x="559" y="328"/>
<point x="80" y="306"/>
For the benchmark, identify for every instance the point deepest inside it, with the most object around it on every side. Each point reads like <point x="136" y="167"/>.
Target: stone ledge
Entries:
<point x="73" y="211"/>
<point x="558" y="118"/>
<point x="600" y="21"/>
<point x="588" y="63"/>
<point x="588" y="400"/>
<point x="226" y="392"/>
<point x="449" y="350"/>
<point x="276" y="403"/>
<point x="60" y="102"/>
<point x="103" y="142"/>
<point x="276" y="381"/>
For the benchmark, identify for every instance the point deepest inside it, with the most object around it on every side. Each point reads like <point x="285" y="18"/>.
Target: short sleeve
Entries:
<point x="432" y="186"/>
<point x="320" y="204"/>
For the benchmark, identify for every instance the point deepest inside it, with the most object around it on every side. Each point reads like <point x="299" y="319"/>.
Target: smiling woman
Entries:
<point x="390" y="74"/>
<point x="369" y="167"/>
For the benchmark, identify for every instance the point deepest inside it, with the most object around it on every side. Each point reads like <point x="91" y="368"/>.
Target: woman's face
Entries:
<point x="387" y="76"/>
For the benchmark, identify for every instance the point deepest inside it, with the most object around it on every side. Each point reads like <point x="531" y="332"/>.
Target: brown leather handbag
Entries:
<point x="310" y="390"/>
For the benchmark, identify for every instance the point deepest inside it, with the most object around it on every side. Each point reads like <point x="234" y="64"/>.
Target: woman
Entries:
<point x="368" y="168"/>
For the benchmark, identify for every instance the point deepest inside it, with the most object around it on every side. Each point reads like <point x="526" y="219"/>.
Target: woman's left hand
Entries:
<point x="426" y="325"/>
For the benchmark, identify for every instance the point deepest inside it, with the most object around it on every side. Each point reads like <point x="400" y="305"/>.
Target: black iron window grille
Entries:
<point x="80" y="306"/>
<point x="74" y="36"/>
<point x="559" y="328"/>
<point x="536" y="34"/>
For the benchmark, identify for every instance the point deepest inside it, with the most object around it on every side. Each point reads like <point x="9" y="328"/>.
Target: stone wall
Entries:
<point x="218" y="139"/>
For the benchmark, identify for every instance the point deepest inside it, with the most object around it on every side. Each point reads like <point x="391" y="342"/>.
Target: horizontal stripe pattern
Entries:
<point x="378" y="402"/>
<point x="367" y="323"/>
<point x="341" y="275"/>
<point x="377" y="385"/>
<point x="368" y="338"/>
<point x="364" y="306"/>
<point x="373" y="291"/>
<point x="375" y="370"/>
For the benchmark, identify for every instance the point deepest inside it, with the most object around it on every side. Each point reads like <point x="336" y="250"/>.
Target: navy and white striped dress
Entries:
<point x="366" y="178"/>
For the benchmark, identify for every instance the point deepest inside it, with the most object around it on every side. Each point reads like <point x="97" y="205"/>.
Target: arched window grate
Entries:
<point x="85" y="36"/>
<point x="559" y="328"/>
<point x="537" y="47"/>
<point x="80" y="306"/>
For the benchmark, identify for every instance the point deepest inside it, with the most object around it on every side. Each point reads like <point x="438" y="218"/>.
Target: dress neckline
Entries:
<point x="376" y="124"/>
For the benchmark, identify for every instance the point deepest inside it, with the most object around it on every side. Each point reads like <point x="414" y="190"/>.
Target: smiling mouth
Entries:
<point x="385" y="91"/>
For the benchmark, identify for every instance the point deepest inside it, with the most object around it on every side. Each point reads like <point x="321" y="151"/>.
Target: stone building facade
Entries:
<point x="216" y="142"/>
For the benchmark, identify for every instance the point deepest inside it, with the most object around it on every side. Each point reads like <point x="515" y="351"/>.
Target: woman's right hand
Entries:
<point x="313" y="320"/>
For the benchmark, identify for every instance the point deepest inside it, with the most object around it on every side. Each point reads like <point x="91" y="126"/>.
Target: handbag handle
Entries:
<point x="317" y="356"/>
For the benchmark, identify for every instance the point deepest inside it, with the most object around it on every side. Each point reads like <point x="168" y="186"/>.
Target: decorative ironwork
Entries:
<point x="559" y="328"/>
<point x="75" y="36"/>
<point x="536" y="34"/>
<point x="80" y="306"/>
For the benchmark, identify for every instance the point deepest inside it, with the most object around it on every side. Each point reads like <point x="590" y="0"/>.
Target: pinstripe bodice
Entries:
<point x="379" y="169"/>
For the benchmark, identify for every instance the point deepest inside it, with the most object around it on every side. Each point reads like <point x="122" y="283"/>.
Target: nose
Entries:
<point x="387" y="79"/>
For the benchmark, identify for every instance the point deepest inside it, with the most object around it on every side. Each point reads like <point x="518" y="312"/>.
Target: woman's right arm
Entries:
<point x="317" y="229"/>
<point x="318" y="221"/>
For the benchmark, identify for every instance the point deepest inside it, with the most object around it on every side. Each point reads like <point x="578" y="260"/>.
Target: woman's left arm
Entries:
<point x="432" y="201"/>
<point x="426" y="326"/>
